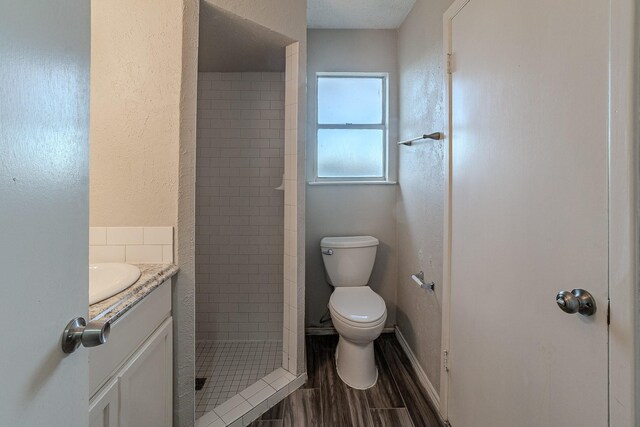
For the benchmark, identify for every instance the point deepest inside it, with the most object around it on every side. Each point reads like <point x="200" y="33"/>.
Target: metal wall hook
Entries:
<point x="89" y="335"/>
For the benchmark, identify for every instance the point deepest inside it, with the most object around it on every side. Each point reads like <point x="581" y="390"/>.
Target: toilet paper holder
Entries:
<point x="419" y="279"/>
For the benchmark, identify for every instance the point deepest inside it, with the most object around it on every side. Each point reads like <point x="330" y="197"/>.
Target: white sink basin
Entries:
<point x="107" y="279"/>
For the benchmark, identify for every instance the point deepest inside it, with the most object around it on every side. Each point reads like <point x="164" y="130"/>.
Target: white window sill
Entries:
<point x="352" y="183"/>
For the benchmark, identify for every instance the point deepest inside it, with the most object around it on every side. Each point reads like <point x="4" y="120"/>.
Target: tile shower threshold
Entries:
<point x="246" y="406"/>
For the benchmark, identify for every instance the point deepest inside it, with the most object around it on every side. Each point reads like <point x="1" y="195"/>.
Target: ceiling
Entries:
<point x="357" y="14"/>
<point x="230" y="43"/>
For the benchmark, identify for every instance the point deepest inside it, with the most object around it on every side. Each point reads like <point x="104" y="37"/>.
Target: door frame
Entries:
<point x="622" y="215"/>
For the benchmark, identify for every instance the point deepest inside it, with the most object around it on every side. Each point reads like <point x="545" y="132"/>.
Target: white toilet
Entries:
<point x="358" y="313"/>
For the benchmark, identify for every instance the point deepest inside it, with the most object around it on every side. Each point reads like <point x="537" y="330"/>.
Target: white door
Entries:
<point x="529" y="212"/>
<point x="44" y="185"/>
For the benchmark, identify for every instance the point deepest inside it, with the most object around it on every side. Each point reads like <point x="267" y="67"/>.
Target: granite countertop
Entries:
<point x="151" y="276"/>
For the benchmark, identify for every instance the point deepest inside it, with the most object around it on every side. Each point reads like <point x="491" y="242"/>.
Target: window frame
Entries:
<point x="383" y="126"/>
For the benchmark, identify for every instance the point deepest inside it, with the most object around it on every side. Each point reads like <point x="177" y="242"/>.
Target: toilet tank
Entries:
<point x="349" y="260"/>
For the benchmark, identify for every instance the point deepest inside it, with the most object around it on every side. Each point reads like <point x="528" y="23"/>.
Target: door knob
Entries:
<point x="576" y="301"/>
<point x="89" y="335"/>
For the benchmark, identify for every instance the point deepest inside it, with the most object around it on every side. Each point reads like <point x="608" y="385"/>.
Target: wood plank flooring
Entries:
<point x="397" y="399"/>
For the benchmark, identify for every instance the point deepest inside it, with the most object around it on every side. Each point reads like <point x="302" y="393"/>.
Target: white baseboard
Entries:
<point x="422" y="376"/>
<point x="320" y="331"/>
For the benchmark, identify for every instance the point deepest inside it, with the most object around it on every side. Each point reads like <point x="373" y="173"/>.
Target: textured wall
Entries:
<point x="336" y="210"/>
<point x="135" y="101"/>
<point x="421" y="182"/>
<point x="239" y="213"/>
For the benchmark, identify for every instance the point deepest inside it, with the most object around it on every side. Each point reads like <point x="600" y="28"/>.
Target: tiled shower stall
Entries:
<point x="239" y="231"/>
<point x="246" y="233"/>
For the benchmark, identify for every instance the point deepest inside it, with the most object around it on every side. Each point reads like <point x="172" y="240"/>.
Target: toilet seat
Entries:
<point x="358" y="306"/>
<point x="356" y="325"/>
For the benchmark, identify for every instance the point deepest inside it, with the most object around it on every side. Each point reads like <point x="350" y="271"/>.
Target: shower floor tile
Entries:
<point x="231" y="366"/>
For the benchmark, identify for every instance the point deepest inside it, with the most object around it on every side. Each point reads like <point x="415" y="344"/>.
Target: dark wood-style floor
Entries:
<point x="397" y="399"/>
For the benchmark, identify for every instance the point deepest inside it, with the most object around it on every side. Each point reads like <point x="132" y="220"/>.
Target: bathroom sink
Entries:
<point x="107" y="279"/>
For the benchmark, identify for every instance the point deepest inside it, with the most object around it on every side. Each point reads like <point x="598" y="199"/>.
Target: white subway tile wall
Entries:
<point x="134" y="245"/>
<point x="239" y="212"/>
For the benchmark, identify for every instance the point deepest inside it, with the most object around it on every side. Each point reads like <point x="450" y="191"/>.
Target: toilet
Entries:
<point x="358" y="313"/>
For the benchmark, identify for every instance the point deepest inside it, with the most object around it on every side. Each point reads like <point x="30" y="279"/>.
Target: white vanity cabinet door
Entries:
<point x="103" y="408"/>
<point x="146" y="396"/>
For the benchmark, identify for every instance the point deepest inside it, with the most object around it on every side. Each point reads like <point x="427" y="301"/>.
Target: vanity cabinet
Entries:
<point x="137" y="390"/>
<point x="145" y="383"/>
<point x="103" y="408"/>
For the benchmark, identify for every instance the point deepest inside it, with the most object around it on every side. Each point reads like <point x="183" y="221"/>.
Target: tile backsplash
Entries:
<point x="135" y="245"/>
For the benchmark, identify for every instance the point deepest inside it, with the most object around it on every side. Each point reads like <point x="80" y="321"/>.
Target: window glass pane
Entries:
<point x="350" y="153"/>
<point x="349" y="100"/>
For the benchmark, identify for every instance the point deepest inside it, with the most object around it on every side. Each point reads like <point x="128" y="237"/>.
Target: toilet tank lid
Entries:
<point x="349" y="242"/>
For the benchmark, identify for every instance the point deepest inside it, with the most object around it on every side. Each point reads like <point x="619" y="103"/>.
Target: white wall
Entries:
<point x="288" y="17"/>
<point x="421" y="182"/>
<point x="229" y="43"/>
<point x="334" y="210"/>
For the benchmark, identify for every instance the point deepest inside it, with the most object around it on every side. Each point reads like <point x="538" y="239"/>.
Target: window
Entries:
<point x="351" y="131"/>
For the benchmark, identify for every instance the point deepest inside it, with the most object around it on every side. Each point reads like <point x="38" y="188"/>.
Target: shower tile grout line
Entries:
<point x="230" y="367"/>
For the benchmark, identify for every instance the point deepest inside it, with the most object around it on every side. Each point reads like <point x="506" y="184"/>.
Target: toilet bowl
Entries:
<point x="357" y="312"/>
<point x="358" y="315"/>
